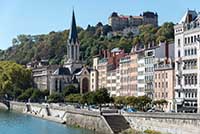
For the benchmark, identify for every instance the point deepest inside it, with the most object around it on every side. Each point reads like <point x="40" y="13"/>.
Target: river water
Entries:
<point x="16" y="123"/>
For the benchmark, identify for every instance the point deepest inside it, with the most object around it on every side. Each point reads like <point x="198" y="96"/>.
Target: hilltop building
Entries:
<point x="130" y="24"/>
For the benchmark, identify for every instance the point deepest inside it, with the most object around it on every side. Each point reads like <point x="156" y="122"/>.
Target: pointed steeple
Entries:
<point x="73" y="36"/>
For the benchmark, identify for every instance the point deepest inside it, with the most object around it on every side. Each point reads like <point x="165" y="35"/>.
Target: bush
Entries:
<point x="148" y="131"/>
<point x="73" y="98"/>
<point x="71" y="89"/>
<point x="26" y="95"/>
<point x="55" y="98"/>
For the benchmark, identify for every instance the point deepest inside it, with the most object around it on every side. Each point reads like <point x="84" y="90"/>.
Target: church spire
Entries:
<point x="73" y="36"/>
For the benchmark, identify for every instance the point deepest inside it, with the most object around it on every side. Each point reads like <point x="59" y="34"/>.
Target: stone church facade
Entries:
<point x="72" y="72"/>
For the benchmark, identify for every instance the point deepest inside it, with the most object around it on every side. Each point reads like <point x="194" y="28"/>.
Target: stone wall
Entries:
<point x="175" y="123"/>
<point x="17" y="106"/>
<point x="70" y="116"/>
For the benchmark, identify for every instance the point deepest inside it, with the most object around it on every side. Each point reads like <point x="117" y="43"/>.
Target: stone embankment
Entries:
<point x="174" y="123"/>
<point x="65" y="114"/>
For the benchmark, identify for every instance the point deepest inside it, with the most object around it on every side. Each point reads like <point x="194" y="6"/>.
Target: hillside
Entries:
<point x="52" y="46"/>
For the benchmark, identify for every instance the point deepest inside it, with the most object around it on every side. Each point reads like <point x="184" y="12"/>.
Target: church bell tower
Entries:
<point x="73" y="46"/>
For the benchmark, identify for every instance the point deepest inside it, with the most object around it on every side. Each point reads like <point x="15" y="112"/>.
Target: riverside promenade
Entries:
<point x="174" y="123"/>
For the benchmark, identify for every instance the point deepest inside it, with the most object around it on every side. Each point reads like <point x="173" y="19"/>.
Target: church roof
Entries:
<point x="73" y="36"/>
<point x="62" y="71"/>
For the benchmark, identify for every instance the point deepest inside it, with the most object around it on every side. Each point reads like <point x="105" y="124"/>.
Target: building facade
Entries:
<point x="164" y="83"/>
<point x="56" y="78"/>
<point x="120" y="22"/>
<point x="187" y="33"/>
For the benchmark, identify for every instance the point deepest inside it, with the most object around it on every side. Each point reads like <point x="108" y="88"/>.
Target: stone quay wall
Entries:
<point x="174" y="123"/>
<point x="69" y="115"/>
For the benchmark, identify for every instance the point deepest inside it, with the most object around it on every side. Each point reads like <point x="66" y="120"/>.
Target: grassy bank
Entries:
<point x="133" y="131"/>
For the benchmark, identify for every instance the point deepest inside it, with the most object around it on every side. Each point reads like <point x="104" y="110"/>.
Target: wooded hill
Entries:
<point x="52" y="46"/>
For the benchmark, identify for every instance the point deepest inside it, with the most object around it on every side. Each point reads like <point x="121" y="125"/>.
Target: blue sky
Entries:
<point x="42" y="16"/>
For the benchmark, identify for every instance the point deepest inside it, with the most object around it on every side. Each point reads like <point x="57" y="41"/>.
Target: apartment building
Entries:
<point x="149" y="59"/>
<point x="187" y="89"/>
<point x="141" y="72"/>
<point x="125" y="78"/>
<point x="164" y="82"/>
<point x="133" y="73"/>
<point x="108" y="70"/>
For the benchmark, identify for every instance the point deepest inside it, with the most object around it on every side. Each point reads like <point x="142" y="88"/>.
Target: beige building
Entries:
<point x="133" y="74"/>
<point x="164" y="83"/>
<point x="125" y="79"/>
<point x="102" y="73"/>
<point x="41" y="75"/>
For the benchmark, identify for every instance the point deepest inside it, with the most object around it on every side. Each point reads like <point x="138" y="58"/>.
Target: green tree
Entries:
<point x="73" y="98"/>
<point x="143" y="102"/>
<point x="55" y="98"/>
<point x="70" y="89"/>
<point x="37" y="96"/>
<point x="25" y="96"/>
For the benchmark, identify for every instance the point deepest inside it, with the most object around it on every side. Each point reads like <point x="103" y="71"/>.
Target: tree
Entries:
<point x="132" y="101"/>
<point x="17" y="92"/>
<point x="102" y="96"/>
<point x="165" y="32"/>
<point x="25" y="96"/>
<point x="120" y="100"/>
<point x="55" y="98"/>
<point x="37" y="96"/>
<point x="70" y="89"/>
<point x="143" y="102"/>
<point x="160" y="103"/>
<point x="73" y="98"/>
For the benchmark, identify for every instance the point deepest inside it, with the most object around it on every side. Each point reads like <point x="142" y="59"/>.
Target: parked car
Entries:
<point x="130" y="110"/>
<point x="155" y="110"/>
<point x="171" y="111"/>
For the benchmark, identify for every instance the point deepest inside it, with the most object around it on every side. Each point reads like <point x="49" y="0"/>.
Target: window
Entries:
<point x="192" y="39"/>
<point x="185" y="52"/>
<point x="191" y="51"/>
<point x="155" y="85"/>
<point x="185" y="40"/>
<point x="179" y="94"/>
<point x="195" y="51"/>
<point x="179" y="53"/>
<point x="188" y="51"/>
<point x="195" y="38"/>
<point x="166" y="84"/>
<point x="179" y="42"/>
<point x="188" y="40"/>
<point x="166" y="75"/>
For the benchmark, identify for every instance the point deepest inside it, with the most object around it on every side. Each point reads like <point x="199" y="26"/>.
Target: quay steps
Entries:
<point x="117" y="123"/>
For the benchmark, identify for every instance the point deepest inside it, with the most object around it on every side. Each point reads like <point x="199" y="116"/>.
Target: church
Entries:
<point x="56" y="77"/>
